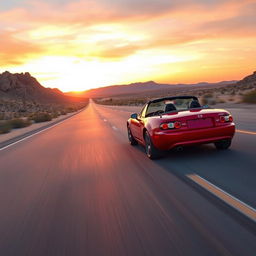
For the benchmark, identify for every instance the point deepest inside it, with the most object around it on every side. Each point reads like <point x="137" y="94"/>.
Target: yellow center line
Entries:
<point x="224" y="196"/>
<point x="246" y="132"/>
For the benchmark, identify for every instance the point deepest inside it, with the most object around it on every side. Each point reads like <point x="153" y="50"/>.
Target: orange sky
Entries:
<point x="77" y="45"/>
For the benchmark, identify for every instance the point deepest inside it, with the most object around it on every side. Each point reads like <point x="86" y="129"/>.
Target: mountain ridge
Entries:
<point x="144" y="87"/>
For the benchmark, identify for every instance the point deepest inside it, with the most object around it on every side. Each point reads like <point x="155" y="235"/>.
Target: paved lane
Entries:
<point x="80" y="189"/>
<point x="233" y="170"/>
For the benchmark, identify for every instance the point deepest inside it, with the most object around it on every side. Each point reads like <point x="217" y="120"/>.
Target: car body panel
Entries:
<point x="166" y="140"/>
<point x="198" y="126"/>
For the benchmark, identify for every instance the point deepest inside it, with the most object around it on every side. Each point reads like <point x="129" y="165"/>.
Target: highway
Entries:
<point x="79" y="188"/>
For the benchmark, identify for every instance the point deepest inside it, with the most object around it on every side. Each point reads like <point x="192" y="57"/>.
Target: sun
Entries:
<point x="79" y="74"/>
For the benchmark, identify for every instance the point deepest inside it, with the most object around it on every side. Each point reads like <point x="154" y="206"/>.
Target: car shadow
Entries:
<point x="190" y="152"/>
<point x="207" y="161"/>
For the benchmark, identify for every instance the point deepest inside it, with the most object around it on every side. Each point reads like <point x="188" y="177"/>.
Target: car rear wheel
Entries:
<point x="151" y="151"/>
<point x="223" y="144"/>
<point x="132" y="140"/>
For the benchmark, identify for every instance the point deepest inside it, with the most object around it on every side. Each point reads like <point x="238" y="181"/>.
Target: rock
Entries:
<point x="250" y="78"/>
<point x="5" y="84"/>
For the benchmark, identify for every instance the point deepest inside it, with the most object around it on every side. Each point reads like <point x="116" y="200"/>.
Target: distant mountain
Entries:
<point x="145" y="88"/>
<point x="25" y="87"/>
<point x="125" y="89"/>
<point x="215" y="84"/>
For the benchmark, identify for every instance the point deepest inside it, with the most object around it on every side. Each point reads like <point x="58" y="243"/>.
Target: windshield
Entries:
<point x="173" y="104"/>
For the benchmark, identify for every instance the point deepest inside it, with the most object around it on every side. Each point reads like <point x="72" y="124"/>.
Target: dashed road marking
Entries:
<point x="114" y="128"/>
<point x="237" y="204"/>
<point x="105" y="120"/>
<point x="246" y="132"/>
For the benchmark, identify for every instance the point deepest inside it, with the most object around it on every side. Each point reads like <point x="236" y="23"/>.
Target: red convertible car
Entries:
<point x="175" y="122"/>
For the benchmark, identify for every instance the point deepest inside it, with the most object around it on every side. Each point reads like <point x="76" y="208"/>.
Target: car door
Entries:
<point x="138" y="124"/>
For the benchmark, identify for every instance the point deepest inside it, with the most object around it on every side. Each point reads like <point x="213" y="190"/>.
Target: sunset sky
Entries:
<point x="77" y="45"/>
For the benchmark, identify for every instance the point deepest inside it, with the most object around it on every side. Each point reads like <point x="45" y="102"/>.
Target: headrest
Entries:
<point x="170" y="107"/>
<point x="194" y="104"/>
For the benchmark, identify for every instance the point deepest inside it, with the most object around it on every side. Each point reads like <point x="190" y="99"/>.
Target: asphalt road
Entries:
<point x="79" y="188"/>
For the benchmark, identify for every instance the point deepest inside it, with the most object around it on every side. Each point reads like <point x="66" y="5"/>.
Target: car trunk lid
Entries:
<point x="196" y="119"/>
<point x="200" y="123"/>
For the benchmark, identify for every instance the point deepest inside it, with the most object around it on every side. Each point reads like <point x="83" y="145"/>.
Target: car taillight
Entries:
<point x="177" y="125"/>
<point x="225" y="119"/>
<point x="164" y="126"/>
<point x="171" y="125"/>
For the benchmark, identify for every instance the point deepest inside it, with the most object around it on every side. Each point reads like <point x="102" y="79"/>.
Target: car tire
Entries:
<point x="132" y="140"/>
<point x="151" y="151"/>
<point x="223" y="144"/>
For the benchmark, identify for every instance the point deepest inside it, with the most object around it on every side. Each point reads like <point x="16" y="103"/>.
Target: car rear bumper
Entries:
<point x="166" y="140"/>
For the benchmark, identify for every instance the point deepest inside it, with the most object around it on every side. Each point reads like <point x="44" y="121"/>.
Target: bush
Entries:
<point x="70" y="110"/>
<point x="250" y="97"/>
<point x="221" y="101"/>
<point x="41" y="117"/>
<point x="204" y="101"/>
<point x="212" y="102"/>
<point x="55" y="114"/>
<point x="208" y="95"/>
<point x="5" y="127"/>
<point x="19" y="123"/>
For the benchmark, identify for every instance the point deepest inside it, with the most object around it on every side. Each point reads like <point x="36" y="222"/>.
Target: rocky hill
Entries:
<point x="248" y="81"/>
<point x="26" y="88"/>
<point x="21" y="95"/>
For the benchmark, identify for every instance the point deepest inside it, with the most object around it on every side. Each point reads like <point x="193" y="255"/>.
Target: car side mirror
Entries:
<point x="134" y="116"/>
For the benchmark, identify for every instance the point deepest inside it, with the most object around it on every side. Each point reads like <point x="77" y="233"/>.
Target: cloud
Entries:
<point x="243" y="25"/>
<point x="14" y="51"/>
<point x="113" y="30"/>
<point x="89" y="12"/>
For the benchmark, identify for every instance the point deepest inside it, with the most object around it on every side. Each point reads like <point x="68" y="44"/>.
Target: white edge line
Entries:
<point x="37" y="133"/>
<point x="250" y="207"/>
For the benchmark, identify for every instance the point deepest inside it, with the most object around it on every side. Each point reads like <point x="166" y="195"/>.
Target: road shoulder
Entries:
<point x="19" y="134"/>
